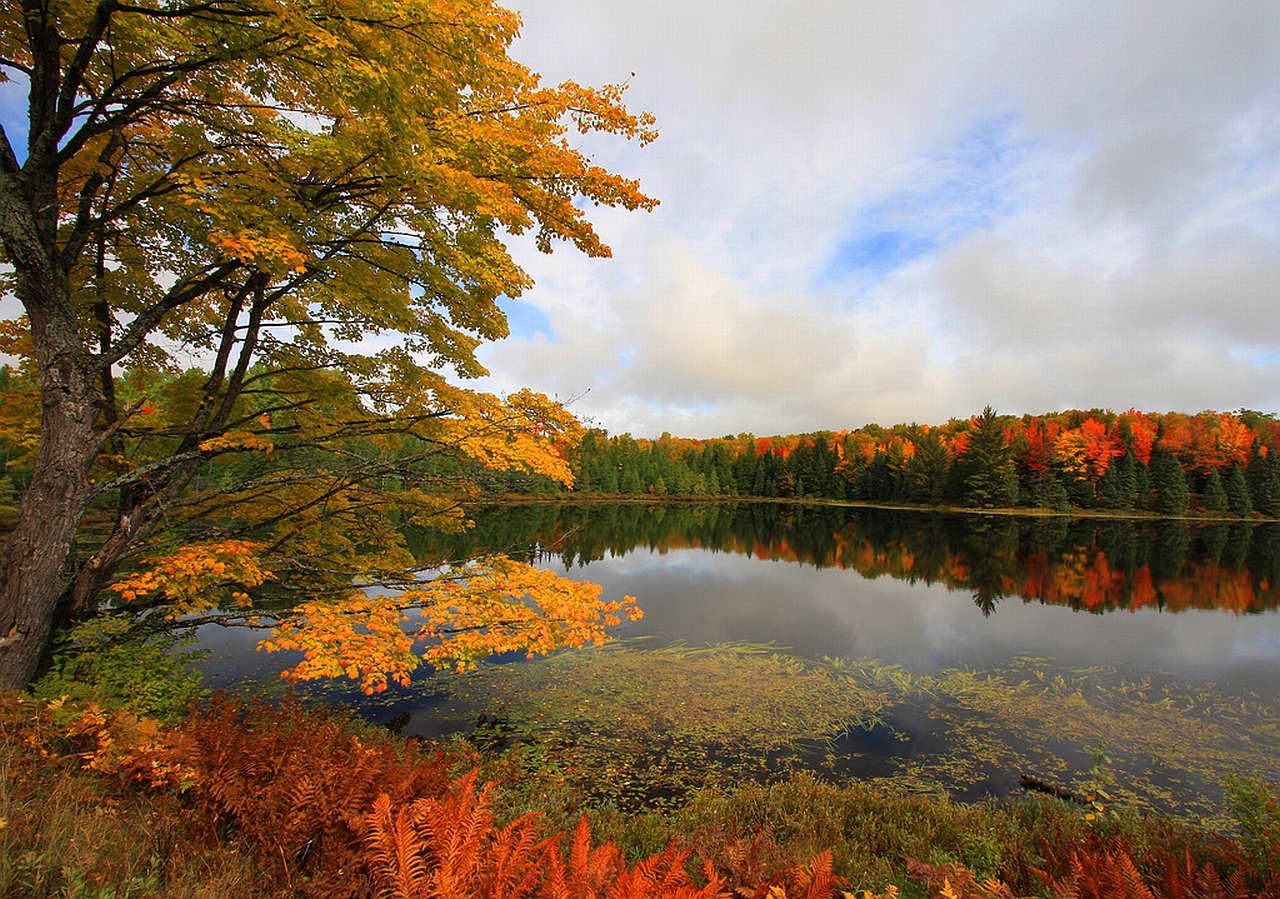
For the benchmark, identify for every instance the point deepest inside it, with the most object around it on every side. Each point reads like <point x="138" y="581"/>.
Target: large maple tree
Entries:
<point x="248" y="236"/>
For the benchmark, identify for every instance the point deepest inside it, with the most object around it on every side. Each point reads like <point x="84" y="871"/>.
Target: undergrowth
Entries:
<point x="257" y="800"/>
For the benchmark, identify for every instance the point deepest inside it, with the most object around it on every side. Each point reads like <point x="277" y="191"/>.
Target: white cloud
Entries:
<point x="900" y="211"/>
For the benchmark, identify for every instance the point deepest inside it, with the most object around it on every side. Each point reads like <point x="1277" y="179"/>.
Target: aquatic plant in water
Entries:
<point x="643" y="726"/>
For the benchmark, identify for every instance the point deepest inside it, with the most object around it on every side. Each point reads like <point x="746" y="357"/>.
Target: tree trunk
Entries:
<point x="36" y="557"/>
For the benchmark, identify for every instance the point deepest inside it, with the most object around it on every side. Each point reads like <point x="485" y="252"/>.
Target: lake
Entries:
<point x="941" y="653"/>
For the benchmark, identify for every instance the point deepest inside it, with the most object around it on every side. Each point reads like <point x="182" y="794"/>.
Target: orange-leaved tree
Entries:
<point x="247" y="236"/>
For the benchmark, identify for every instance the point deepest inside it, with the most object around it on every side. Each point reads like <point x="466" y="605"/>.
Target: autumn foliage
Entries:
<point x="1094" y="460"/>
<point x="324" y="807"/>
<point x="329" y="809"/>
<point x="312" y="203"/>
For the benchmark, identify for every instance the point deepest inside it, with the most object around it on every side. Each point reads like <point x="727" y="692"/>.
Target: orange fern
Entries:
<point x="957" y="882"/>
<point x="448" y="848"/>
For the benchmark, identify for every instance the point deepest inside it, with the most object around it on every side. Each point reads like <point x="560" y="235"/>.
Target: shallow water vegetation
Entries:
<point x="643" y="727"/>
<point x="277" y="800"/>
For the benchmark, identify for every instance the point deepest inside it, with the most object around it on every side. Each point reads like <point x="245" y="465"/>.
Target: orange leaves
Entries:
<point x="501" y="605"/>
<point x="486" y="608"/>
<point x="361" y="638"/>
<point x="1087" y="451"/>
<point x="1208" y="441"/>
<point x="448" y="848"/>
<point x="237" y="440"/>
<point x="198" y="577"/>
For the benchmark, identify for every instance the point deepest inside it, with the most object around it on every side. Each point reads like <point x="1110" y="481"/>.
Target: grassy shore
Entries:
<point x="274" y="801"/>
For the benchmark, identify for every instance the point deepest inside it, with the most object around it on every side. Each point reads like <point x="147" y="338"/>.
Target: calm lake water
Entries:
<point x="1154" y="644"/>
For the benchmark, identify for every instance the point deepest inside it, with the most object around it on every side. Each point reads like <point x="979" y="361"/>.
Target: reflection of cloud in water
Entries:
<point x="704" y="597"/>
<point x="1257" y="647"/>
<point x="233" y="656"/>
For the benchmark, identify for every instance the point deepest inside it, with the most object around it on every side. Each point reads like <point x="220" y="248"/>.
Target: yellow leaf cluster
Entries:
<point x="116" y="742"/>
<point x="488" y="607"/>
<point x="361" y="638"/>
<point x="196" y="578"/>
<point x="238" y="440"/>
<point x="526" y="431"/>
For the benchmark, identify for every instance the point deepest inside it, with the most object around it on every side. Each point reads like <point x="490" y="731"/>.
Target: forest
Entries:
<point x="1167" y="464"/>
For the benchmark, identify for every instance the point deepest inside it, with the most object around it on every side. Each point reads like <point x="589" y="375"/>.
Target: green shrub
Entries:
<point x="107" y="660"/>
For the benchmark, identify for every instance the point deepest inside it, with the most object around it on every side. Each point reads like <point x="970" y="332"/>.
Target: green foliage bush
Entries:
<point x="1255" y="805"/>
<point x="108" y="660"/>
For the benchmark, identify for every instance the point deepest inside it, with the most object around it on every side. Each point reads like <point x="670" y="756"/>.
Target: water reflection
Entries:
<point x="977" y="606"/>
<point x="1096" y="565"/>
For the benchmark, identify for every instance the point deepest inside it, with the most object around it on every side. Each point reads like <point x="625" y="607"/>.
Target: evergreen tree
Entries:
<point x="1239" y="502"/>
<point x="1263" y="480"/>
<point x="991" y="478"/>
<point x="630" y="483"/>
<point x="927" y="471"/>
<point x="1049" y="493"/>
<point x="1142" y="484"/>
<point x="880" y="479"/>
<point x="1170" y="484"/>
<point x="1215" y="495"/>
<point x="1117" y="488"/>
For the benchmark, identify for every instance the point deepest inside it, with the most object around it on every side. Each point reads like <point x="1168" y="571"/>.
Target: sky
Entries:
<point x="903" y="212"/>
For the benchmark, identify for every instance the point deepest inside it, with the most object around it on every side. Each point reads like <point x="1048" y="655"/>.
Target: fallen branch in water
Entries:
<point x="1027" y="782"/>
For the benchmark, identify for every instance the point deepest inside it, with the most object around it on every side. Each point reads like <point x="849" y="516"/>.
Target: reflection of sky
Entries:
<point x="703" y="597"/>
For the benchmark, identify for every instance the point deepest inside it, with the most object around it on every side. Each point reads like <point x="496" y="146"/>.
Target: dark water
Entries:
<point x="1188" y="605"/>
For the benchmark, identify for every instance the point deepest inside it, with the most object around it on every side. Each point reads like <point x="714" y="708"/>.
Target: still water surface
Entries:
<point x="1131" y="613"/>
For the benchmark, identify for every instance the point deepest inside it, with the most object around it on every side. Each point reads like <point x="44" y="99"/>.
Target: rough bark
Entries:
<point x="38" y="553"/>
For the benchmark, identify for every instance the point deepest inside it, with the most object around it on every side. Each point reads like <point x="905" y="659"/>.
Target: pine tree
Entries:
<point x="1170" y="484"/>
<point x="991" y="479"/>
<point x="1215" y="495"/>
<point x="927" y="471"/>
<point x="1239" y="502"/>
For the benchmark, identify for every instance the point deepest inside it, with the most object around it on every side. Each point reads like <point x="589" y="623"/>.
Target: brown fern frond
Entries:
<point x="395" y="854"/>
<point x="754" y="868"/>
<point x="815" y="880"/>
<point x="453" y="828"/>
<point x="297" y="785"/>
<point x="1181" y="878"/>
<point x="663" y="877"/>
<point x="590" y="872"/>
<point x="513" y="860"/>
<point x="1103" y="874"/>
<point x="957" y="881"/>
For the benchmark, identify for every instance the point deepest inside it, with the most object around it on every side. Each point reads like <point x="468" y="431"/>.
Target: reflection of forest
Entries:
<point x="1086" y="564"/>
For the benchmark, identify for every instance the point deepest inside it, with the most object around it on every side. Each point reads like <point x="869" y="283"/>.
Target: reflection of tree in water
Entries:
<point x="1095" y="564"/>
<point x="991" y="547"/>
<point x="1264" y="554"/>
<point x="1213" y="540"/>
<point x="1236" y="550"/>
<point x="1169" y="550"/>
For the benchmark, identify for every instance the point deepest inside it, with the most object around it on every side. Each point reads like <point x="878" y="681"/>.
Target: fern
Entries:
<point x="395" y="851"/>
<point x="957" y="882"/>
<point x="296" y="786"/>
<point x="588" y="872"/>
<point x="448" y="848"/>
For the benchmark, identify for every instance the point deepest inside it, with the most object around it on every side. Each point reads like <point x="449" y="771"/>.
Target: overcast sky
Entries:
<point x="894" y="212"/>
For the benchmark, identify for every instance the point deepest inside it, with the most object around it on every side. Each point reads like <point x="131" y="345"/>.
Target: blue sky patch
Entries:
<point x="526" y="320"/>
<point x="963" y="189"/>
<point x="13" y="112"/>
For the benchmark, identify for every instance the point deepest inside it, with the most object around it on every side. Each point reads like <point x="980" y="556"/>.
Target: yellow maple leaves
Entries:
<point x="484" y="608"/>
<point x="196" y="578"/>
